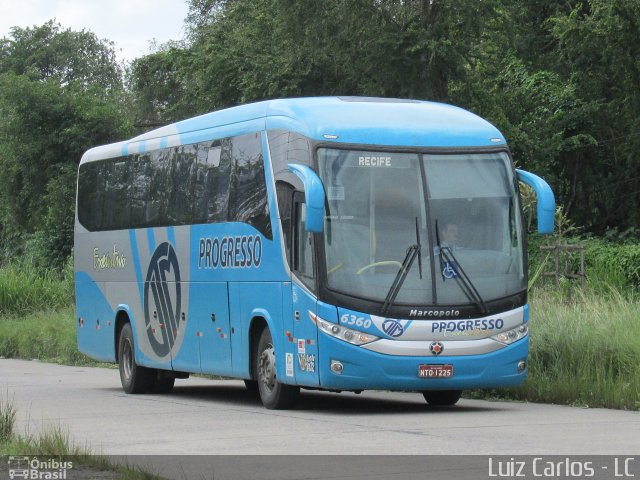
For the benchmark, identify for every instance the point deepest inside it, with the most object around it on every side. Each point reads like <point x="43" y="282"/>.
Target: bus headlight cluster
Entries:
<point x="512" y="335"/>
<point x="351" y="336"/>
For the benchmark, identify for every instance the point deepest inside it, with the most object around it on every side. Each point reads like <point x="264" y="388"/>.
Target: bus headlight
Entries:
<point x="512" y="335"/>
<point x="346" y="334"/>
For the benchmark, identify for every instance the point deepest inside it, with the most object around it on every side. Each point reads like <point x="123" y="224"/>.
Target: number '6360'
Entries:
<point x="350" y="319"/>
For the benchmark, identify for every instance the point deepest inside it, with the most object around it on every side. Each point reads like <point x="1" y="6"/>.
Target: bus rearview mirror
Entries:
<point x="546" y="200"/>
<point x="313" y="195"/>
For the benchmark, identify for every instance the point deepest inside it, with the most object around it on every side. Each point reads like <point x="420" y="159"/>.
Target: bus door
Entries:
<point x="303" y="300"/>
<point x="211" y="305"/>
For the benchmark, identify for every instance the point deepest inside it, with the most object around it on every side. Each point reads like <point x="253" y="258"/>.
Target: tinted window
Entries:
<point x="303" y="251"/>
<point x="201" y="183"/>
<point x="181" y="205"/>
<point x="211" y="184"/>
<point x="139" y="188"/>
<point x="284" y="192"/>
<point x="248" y="196"/>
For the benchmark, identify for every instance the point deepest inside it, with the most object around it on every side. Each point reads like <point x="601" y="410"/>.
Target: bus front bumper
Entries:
<point x="363" y="369"/>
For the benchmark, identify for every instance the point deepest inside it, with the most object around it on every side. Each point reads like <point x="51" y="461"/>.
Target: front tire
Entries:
<point x="440" y="398"/>
<point x="134" y="379"/>
<point x="273" y="394"/>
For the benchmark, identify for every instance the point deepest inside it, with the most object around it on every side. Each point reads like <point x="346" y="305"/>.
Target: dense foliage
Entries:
<point x="61" y="92"/>
<point x="560" y="79"/>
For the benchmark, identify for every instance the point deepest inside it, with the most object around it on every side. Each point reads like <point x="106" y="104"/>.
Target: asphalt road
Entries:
<point x="213" y="417"/>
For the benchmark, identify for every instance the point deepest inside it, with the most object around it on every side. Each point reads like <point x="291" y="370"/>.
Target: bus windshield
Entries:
<point x="461" y="210"/>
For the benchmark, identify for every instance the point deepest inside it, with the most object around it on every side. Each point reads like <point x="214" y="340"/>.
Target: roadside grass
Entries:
<point x="25" y="289"/>
<point x="47" y="335"/>
<point x="37" y="320"/>
<point x="55" y="443"/>
<point x="584" y="349"/>
<point x="7" y="419"/>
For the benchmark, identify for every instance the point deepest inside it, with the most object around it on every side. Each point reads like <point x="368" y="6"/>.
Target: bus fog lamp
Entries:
<point x="337" y="367"/>
<point x="522" y="365"/>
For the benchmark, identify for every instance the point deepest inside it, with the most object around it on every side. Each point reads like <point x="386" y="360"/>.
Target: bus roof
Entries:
<point x="352" y="120"/>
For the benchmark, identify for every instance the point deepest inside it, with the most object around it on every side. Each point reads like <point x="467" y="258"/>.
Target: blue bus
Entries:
<point x="342" y="244"/>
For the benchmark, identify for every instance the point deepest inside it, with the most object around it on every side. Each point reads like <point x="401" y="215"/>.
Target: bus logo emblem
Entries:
<point x="436" y="348"/>
<point x="162" y="299"/>
<point x="393" y="328"/>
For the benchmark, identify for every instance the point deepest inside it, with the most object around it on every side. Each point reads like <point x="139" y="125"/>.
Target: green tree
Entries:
<point x="60" y="94"/>
<point x="247" y="50"/>
<point x="162" y="85"/>
<point x="598" y="41"/>
<point x="66" y="56"/>
<point x="560" y="79"/>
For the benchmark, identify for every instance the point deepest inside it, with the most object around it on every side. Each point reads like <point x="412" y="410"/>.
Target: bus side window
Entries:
<point x="302" y="247"/>
<point x="284" y="191"/>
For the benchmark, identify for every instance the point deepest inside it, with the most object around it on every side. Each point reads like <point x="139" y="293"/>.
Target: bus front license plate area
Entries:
<point x="435" y="371"/>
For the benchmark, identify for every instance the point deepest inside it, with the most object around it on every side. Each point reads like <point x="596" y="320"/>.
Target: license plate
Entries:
<point x="435" y="371"/>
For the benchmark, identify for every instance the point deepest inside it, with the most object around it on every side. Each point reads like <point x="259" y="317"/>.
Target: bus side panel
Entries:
<point x="305" y="333"/>
<point x="187" y="358"/>
<point x="240" y="338"/>
<point x="290" y="346"/>
<point x="210" y="303"/>
<point x="258" y="299"/>
<point x="94" y="320"/>
<point x="157" y="297"/>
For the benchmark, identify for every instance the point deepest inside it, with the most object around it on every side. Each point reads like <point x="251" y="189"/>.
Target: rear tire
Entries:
<point x="134" y="379"/>
<point x="274" y="395"/>
<point x="442" y="398"/>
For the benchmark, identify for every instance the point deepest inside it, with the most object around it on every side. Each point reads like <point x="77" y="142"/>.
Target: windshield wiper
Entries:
<point x="419" y="245"/>
<point x="412" y="252"/>
<point x="449" y="260"/>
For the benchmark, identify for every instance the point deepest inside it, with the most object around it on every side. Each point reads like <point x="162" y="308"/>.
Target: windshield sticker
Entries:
<point x="374" y="161"/>
<point x="449" y="270"/>
<point x="477" y="325"/>
<point x="335" y="192"/>
<point x="379" y="160"/>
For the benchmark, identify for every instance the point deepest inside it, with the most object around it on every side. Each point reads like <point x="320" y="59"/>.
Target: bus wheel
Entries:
<point x="134" y="379"/>
<point x="442" y="397"/>
<point x="274" y="395"/>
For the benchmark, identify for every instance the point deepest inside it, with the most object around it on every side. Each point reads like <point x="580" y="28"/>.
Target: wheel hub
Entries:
<point x="267" y="370"/>
<point x="127" y="359"/>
